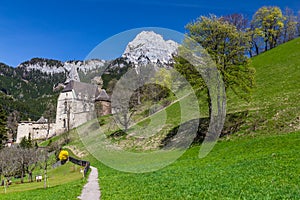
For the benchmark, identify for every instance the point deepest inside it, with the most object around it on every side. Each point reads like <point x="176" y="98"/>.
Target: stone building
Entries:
<point x="36" y="129"/>
<point x="77" y="103"/>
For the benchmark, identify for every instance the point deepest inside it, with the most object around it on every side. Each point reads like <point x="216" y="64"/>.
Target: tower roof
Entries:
<point x="73" y="75"/>
<point x="81" y="88"/>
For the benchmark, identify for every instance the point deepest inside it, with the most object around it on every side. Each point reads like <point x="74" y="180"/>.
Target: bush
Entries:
<point x="63" y="155"/>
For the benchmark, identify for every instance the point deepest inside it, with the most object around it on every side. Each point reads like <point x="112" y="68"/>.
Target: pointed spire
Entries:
<point x="73" y="75"/>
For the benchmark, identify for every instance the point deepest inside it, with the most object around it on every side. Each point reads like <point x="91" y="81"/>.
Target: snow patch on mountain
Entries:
<point x="149" y="46"/>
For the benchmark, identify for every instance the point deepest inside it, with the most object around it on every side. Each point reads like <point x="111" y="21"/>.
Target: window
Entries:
<point x="66" y="107"/>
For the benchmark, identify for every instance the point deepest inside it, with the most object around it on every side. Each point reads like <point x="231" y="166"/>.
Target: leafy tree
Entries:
<point x="3" y="128"/>
<point x="238" y="20"/>
<point x="190" y="74"/>
<point x="256" y="42"/>
<point x="226" y="45"/>
<point x="290" y="25"/>
<point x="268" y="23"/>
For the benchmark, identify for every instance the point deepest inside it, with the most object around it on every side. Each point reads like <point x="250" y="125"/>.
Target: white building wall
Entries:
<point x="23" y="130"/>
<point x="80" y="109"/>
<point x="36" y="130"/>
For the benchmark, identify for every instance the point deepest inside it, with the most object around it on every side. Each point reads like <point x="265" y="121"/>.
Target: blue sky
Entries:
<point x="70" y="29"/>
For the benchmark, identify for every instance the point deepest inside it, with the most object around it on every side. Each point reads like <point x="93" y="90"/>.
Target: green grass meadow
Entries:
<point x="259" y="167"/>
<point x="64" y="182"/>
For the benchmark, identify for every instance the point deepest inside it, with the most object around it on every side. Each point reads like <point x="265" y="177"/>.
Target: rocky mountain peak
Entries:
<point x="149" y="46"/>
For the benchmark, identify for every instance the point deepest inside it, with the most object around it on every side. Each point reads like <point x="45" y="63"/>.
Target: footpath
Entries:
<point x="91" y="190"/>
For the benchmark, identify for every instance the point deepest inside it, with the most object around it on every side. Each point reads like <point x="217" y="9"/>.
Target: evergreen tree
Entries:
<point x="3" y="128"/>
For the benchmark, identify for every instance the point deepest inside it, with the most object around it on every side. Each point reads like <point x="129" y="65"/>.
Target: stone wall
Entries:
<point x="36" y="130"/>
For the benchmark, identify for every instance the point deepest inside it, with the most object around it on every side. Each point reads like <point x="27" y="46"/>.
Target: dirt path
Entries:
<point x="91" y="190"/>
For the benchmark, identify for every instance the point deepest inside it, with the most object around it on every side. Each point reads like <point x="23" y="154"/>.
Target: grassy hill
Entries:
<point x="274" y="107"/>
<point x="263" y="164"/>
<point x="278" y="88"/>
<point x="264" y="167"/>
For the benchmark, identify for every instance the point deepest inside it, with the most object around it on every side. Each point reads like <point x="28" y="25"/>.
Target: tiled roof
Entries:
<point x="82" y="89"/>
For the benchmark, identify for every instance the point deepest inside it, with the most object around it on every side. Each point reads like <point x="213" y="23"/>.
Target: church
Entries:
<point x="77" y="103"/>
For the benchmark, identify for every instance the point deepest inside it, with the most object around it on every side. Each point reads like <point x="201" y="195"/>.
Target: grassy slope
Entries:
<point x="264" y="167"/>
<point x="275" y="99"/>
<point x="59" y="179"/>
<point x="65" y="191"/>
<point x="278" y="88"/>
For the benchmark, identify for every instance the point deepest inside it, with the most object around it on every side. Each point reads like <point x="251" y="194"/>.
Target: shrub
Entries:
<point x="63" y="155"/>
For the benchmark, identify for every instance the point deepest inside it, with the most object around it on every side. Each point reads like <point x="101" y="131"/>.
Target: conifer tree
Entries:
<point x="3" y="128"/>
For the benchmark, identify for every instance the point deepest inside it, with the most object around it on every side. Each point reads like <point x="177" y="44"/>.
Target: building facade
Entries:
<point x="40" y="129"/>
<point x="77" y="103"/>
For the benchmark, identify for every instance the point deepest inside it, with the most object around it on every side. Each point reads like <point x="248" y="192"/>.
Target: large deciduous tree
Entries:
<point x="227" y="46"/>
<point x="268" y="23"/>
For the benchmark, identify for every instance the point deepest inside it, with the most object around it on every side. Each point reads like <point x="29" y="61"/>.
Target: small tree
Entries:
<point x="290" y="25"/>
<point x="268" y="23"/>
<point x="8" y="164"/>
<point x="27" y="159"/>
<point x="43" y="156"/>
<point x="26" y="143"/>
<point x="33" y="159"/>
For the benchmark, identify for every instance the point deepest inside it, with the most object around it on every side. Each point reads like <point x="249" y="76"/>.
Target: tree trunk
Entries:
<point x="30" y="176"/>
<point x="256" y="49"/>
<point x="5" y="186"/>
<point x="209" y="104"/>
<point x="45" y="177"/>
<point x="22" y="174"/>
<point x="266" y="45"/>
<point x="139" y="97"/>
<point x="126" y="122"/>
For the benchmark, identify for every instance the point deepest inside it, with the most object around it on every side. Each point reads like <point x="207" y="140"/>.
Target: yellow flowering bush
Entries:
<point x="63" y="155"/>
